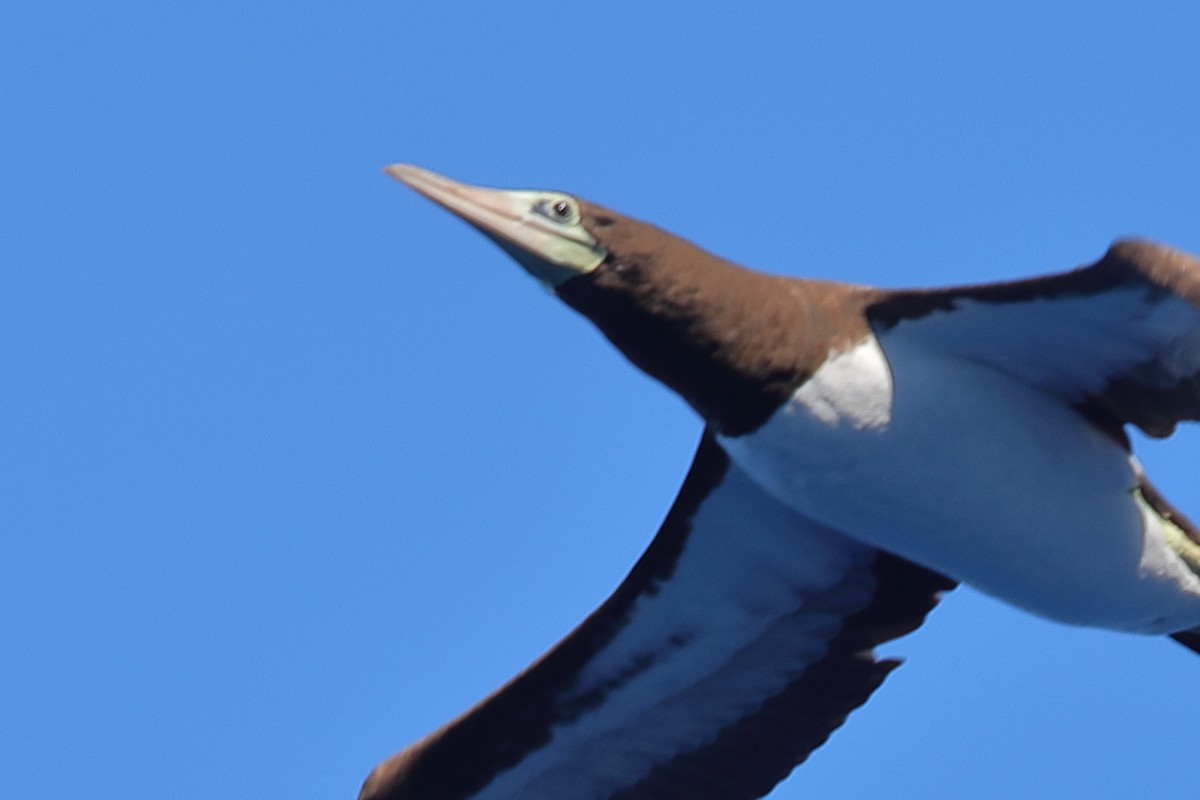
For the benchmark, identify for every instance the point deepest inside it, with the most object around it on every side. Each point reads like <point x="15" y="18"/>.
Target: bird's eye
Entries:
<point x="561" y="211"/>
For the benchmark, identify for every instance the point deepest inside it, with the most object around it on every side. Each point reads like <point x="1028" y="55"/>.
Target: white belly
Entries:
<point x="979" y="476"/>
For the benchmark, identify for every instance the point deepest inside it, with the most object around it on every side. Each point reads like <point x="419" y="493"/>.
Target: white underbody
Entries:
<point x="969" y="471"/>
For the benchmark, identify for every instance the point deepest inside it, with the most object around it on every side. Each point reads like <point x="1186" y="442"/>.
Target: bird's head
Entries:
<point x="545" y="232"/>
<point x="716" y="333"/>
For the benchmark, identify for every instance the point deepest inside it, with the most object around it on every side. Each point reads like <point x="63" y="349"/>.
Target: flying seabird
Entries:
<point x="863" y="451"/>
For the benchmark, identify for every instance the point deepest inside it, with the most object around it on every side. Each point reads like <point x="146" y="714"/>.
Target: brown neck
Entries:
<point x="732" y="342"/>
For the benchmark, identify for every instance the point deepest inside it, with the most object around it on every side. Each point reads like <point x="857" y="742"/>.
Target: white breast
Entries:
<point x="967" y="470"/>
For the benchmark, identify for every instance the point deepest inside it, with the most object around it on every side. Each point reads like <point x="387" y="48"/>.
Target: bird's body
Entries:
<point x="864" y="450"/>
<point x="960" y="467"/>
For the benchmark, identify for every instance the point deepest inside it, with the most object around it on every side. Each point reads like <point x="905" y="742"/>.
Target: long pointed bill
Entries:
<point x="541" y="230"/>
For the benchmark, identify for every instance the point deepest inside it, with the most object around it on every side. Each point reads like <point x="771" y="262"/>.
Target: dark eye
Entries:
<point x="562" y="210"/>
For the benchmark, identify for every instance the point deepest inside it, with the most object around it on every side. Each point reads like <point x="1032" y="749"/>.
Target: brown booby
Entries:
<point x="863" y="451"/>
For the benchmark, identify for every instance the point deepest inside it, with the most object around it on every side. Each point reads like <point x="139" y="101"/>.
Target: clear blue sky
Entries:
<point x="294" y="466"/>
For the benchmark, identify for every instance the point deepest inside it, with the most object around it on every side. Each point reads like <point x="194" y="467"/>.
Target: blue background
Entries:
<point x="294" y="466"/>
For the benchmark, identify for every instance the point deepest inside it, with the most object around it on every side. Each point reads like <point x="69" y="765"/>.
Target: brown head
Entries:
<point x="729" y="340"/>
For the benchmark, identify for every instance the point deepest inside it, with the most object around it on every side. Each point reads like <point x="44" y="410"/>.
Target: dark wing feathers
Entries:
<point x="1189" y="639"/>
<point x="748" y="759"/>
<point x="1120" y="338"/>
<point x="738" y="643"/>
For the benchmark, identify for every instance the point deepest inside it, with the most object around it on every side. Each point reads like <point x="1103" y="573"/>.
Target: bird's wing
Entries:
<point x="740" y="640"/>
<point x="1120" y="338"/>
<point x="1189" y="639"/>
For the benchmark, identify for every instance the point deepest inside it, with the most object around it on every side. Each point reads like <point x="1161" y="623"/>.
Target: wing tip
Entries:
<point x="1170" y="268"/>
<point x="1189" y="639"/>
